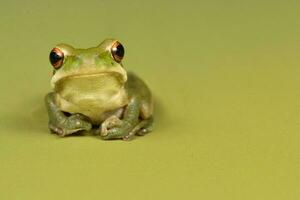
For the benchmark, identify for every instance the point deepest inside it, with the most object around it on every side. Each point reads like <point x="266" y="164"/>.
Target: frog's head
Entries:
<point x="88" y="69"/>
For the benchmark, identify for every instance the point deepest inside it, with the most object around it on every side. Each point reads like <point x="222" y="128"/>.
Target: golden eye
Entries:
<point x="56" y="58"/>
<point x="117" y="51"/>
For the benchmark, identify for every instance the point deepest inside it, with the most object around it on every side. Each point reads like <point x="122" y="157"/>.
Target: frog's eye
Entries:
<point x="56" y="58"/>
<point x="117" y="51"/>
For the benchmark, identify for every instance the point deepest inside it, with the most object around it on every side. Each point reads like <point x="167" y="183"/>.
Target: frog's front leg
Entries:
<point x="112" y="121"/>
<point x="60" y="123"/>
<point x="114" y="128"/>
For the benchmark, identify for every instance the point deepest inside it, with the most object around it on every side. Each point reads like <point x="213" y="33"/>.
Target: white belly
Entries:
<point x="94" y="108"/>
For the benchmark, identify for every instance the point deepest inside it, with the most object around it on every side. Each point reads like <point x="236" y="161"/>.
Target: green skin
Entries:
<point x="91" y="89"/>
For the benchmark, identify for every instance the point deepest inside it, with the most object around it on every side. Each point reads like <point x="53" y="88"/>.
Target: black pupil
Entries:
<point x="119" y="51"/>
<point x="54" y="57"/>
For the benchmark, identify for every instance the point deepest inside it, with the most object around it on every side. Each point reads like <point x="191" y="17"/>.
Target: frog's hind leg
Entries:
<point x="133" y="121"/>
<point x="146" y="126"/>
<point x="142" y="128"/>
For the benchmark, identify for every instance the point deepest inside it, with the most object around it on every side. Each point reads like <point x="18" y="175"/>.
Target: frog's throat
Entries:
<point x="91" y="94"/>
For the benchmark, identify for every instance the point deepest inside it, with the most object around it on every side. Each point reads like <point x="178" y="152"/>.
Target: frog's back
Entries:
<point x="137" y="88"/>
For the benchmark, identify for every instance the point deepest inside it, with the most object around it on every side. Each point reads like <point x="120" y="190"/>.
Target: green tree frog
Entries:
<point x="92" y="90"/>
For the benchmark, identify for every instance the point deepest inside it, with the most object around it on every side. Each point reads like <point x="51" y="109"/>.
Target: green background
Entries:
<point x="225" y="76"/>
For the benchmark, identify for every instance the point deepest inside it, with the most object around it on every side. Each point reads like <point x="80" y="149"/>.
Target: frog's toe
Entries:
<point x="127" y="137"/>
<point x="60" y="131"/>
<point x="114" y="133"/>
<point x="142" y="132"/>
<point x="56" y="130"/>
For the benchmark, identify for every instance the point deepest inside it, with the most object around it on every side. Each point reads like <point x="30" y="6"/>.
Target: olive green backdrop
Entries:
<point x="225" y="75"/>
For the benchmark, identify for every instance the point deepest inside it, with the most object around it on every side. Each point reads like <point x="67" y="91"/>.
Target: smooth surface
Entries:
<point x="226" y="80"/>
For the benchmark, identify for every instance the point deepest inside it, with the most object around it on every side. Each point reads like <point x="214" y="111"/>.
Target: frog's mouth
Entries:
<point x="85" y="78"/>
<point x="101" y="76"/>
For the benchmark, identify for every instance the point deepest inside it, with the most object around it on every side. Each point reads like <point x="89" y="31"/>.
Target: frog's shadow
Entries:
<point x="29" y="116"/>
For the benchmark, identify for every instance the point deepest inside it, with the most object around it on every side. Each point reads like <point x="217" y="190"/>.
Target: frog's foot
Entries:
<point x="121" y="130"/>
<point x="108" y="124"/>
<point x="144" y="127"/>
<point x="115" y="133"/>
<point x="72" y="124"/>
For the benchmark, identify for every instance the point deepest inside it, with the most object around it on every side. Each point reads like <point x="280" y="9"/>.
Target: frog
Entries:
<point x="93" y="92"/>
